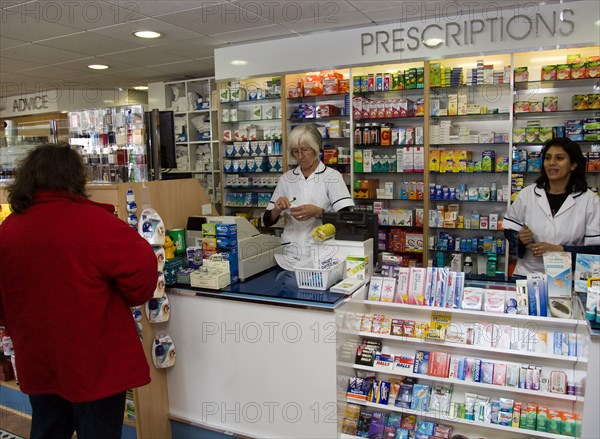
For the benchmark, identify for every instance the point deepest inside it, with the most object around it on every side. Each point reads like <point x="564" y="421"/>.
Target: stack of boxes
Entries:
<point x="222" y="239"/>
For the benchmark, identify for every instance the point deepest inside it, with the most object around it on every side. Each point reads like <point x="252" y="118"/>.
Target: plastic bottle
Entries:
<point x="493" y="192"/>
<point x="468" y="267"/>
<point x="366" y="135"/>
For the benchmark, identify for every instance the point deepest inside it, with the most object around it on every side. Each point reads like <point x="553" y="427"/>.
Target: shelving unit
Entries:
<point x="350" y="337"/>
<point x="470" y="113"/>
<point x="389" y="131"/>
<point x="564" y="90"/>
<point x="251" y="133"/>
<point x="194" y="106"/>
<point x="323" y="99"/>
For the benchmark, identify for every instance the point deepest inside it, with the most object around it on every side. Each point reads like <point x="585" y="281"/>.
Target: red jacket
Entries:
<point x="69" y="271"/>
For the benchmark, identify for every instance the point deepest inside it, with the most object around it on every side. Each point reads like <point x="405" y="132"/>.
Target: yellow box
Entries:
<point x="461" y="154"/>
<point x="445" y="167"/>
<point x="446" y="155"/>
<point x="434" y="160"/>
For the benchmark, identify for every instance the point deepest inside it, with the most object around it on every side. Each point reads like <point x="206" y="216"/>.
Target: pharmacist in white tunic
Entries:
<point x="557" y="213"/>
<point x="304" y="193"/>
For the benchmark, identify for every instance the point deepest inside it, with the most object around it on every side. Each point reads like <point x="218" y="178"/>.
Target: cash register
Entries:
<point x="256" y="251"/>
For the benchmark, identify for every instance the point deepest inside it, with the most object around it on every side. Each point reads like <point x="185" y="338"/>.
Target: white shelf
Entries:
<point x="549" y="321"/>
<point x="475" y="385"/>
<point x="512" y="352"/>
<point x="446" y="418"/>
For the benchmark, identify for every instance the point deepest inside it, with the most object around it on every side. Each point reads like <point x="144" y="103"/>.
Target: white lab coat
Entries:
<point x="325" y="188"/>
<point x="576" y="223"/>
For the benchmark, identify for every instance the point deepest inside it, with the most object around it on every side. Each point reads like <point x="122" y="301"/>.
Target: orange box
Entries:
<point x="313" y="88"/>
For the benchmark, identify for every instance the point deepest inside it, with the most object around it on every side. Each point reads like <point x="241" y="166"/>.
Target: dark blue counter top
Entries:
<point x="274" y="286"/>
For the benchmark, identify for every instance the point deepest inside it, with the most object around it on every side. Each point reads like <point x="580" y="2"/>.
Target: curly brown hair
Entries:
<point x="50" y="166"/>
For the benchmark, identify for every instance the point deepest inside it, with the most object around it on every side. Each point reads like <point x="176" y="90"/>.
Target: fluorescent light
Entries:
<point x="239" y="62"/>
<point x="433" y="42"/>
<point x="140" y="87"/>
<point x="147" y="34"/>
<point x="97" y="67"/>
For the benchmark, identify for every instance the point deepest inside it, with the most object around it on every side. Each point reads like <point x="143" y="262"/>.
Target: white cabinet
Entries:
<point x="251" y="118"/>
<point x="536" y="332"/>
<point x="194" y="105"/>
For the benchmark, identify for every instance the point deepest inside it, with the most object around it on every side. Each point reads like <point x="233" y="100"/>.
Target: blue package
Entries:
<point x="421" y="362"/>
<point x="476" y="370"/>
<point x="383" y="393"/>
<point x="426" y="428"/>
<point x="402" y="433"/>
<point x="420" y="398"/>
<point x="377" y="425"/>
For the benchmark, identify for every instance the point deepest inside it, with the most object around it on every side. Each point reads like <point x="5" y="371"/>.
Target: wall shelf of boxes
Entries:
<point x="555" y="96"/>
<point x="440" y="171"/>
<point x="323" y="98"/>
<point x="389" y="153"/>
<point x="251" y="125"/>
<point x="470" y="109"/>
<point x="196" y="144"/>
<point x="426" y="346"/>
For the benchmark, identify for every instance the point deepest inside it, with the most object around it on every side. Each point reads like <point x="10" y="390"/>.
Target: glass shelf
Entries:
<point x="336" y="96"/>
<point x="583" y="82"/>
<point x="490" y="116"/>
<point x="273" y="119"/>
<point x="252" y="101"/>
<point x="559" y="114"/>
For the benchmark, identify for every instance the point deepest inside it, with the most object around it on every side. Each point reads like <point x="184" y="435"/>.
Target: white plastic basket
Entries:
<point x="311" y="278"/>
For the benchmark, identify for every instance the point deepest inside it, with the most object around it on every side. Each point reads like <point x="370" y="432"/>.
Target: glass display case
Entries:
<point x="18" y="138"/>
<point x="112" y="141"/>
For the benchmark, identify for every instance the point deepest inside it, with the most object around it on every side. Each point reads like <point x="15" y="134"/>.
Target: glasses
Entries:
<point x="297" y="152"/>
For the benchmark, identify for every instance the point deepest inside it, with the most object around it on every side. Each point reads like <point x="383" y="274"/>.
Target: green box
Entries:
<point x="358" y="160"/>
<point x="172" y="266"/>
<point x="209" y="229"/>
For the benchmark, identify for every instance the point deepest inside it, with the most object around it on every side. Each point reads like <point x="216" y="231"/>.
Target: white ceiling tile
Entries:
<point x="202" y="20"/>
<point x="193" y="48"/>
<point x="51" y="72"/>
<point x="29" y="27"/>
<point x="89" y="43"/>
<point x="261" y="33"/>
<point x="323" y="11"/>
<point x="81" y="14"/>
<point x="81" y="65"/>
<point x="170" y="33"/>
<point x="41" y="54"/>
<point x="346" y="20"/>
<point x="144" y="57"/>
<point x="154" y="8"/>
<point x="16" y="65"/>
<point x="7" y="43"/>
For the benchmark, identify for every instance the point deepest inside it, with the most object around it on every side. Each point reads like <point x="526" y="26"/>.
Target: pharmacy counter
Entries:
<point x="257" y="359"/>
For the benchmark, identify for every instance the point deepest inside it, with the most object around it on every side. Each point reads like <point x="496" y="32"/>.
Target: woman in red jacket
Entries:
<point x="69" y="273"/>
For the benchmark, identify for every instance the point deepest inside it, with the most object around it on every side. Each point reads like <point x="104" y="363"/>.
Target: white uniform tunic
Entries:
<point x="324" y="188"/>
<point x="576" y="223"/>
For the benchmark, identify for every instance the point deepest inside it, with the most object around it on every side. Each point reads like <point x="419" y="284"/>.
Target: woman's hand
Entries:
<point x="526" y="236"/>
<point x="539" y="248"/>
<point x="306" y="211"/>
<point x="281" y="204"/>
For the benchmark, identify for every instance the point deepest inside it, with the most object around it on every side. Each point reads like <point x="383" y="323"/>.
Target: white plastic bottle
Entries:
<point x="468" y="267"/>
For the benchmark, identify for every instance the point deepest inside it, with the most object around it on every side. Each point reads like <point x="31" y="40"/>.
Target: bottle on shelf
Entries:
<point x="468" y="265"/>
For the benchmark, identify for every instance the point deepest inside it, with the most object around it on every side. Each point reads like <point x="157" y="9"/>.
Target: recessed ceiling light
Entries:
<point x="140" y="87"/>
<point x="98" y="67"/>
<point x="239" y="62"/>
<point x="433" y="42"/>
<point x="598" y="23"/>
<point x="146" y="34"/>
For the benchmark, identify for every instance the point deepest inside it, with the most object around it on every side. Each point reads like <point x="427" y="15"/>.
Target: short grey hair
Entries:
<point x="307" y="134"/>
